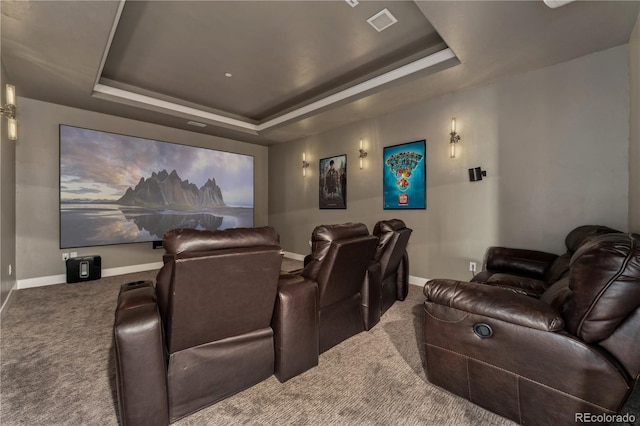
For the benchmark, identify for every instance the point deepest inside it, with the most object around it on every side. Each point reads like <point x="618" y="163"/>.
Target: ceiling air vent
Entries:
<point x="382" y="20"/>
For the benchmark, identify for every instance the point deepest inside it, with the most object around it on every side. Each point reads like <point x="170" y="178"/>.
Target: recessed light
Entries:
<point x="556" y="3"/>
<point x="228" y="74"/>
<point x="352" y="3"/>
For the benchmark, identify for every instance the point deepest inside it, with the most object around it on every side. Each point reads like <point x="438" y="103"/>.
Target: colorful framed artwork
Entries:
<point x="405" y="176"/>
<point x="333" y="182"/>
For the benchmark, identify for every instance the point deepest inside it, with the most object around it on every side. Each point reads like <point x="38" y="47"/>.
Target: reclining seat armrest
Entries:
<point x="295" y="326"/>
<point x="518" y="356"/>
<point x="140" y="357"/>
<point x="494" y="302"/>
<point x="529" y="263"/>
<point x="372" y="295"/>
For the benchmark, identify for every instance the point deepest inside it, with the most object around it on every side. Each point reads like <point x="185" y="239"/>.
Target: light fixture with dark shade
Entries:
<point x="9" y="111"/>
<point x="455" y="138"/>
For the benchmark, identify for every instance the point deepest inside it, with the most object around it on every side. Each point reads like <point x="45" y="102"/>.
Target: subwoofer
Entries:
<point x="86" y="268"/>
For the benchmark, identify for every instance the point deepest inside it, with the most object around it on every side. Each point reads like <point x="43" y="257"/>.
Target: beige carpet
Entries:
<point x="57" y="368"/>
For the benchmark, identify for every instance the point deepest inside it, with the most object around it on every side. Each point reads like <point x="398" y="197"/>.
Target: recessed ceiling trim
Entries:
<point x="172" y="106"/>
<point x="403" y="71"/>
<point x="112" y="34"/>
<point x="345" y="94"/>
<point x="196" y="123"/>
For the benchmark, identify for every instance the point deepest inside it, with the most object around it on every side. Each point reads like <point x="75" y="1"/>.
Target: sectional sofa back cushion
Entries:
<point x="604" y="286"/>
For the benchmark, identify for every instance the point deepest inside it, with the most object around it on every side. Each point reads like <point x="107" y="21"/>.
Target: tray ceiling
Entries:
<point x="296" y="67"/>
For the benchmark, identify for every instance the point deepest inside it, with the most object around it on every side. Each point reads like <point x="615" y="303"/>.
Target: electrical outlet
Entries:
<point x="74" y="254"/>
<point x="65" y="256"/>
<point x="472" y="266"/>
<point x="10" y="270"/>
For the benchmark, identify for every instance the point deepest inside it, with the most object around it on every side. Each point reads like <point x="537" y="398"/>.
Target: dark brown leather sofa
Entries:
<point x="542" y="361"/>
<point x="340" y="256"/>
<point x="217" y="321"/>
<point x="532" y="272"/>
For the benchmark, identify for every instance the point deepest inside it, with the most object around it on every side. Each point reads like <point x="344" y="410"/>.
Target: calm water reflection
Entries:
<point x="101" y="224"/>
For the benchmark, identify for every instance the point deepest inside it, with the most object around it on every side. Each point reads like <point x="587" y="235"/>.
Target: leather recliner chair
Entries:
<point x="215" y="323"/>
<point x="340" y="256"/>
<point x="532" y="272"/>
<point x="391" y="282"/>
<point x="542" y="361"/>
<point x="392" y="254"/>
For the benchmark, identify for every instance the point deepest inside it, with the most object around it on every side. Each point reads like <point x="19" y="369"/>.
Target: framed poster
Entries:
<point x="333" y="182"/>
<point x="405" y="176"/>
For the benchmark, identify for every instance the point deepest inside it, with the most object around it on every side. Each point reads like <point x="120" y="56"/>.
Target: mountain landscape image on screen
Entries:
<point x="168" y="190"/>
<point x="135" y="190"/>
<point x="161" y="202"/>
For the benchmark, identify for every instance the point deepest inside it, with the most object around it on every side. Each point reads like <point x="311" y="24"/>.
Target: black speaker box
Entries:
<point x="85" y="268"/>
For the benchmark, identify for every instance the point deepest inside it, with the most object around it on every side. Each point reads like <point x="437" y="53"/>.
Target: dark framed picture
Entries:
<point x="333" y="182"/>
<point x="405" y="176"/>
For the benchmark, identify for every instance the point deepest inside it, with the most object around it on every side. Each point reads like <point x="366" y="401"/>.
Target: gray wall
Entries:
<point x="554" y="143"/>
<point x="7" y="204"/>
<point x="37" y="180"/>
<point x="634" y="130"/>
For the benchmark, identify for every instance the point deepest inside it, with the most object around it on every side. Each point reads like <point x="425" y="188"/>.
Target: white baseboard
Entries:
<point x="60" y="279"/>
<point x="294" y="256"/>
<point x="111" y="272"/>
<point x="418" y="281"/>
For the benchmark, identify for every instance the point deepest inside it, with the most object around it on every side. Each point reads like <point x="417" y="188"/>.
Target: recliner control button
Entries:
<point x="482" y="330"/>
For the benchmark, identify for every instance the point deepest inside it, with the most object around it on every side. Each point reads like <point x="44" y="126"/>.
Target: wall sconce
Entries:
<point x="455" y="138"/>
<point x="9" y="111"/>
<point x="304" y="164"/>
<point x="362" y="155"/>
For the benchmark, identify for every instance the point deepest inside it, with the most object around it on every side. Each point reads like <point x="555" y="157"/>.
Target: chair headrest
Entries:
<point x="605" y="286"/>
<point x="388" y="226"/>
<point x="339" y="232"/>
<point x="582" y="234"/>
<point x="179" y="241"/>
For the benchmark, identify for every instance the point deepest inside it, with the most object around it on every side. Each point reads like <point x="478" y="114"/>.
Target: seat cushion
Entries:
<point x="516" y="283"/>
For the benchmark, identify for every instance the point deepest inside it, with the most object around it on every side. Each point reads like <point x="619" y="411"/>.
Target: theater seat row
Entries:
<point x="222" y="317"/>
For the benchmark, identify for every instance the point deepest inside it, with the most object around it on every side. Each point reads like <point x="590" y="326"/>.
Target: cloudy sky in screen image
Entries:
<point x="101" y="166"/>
